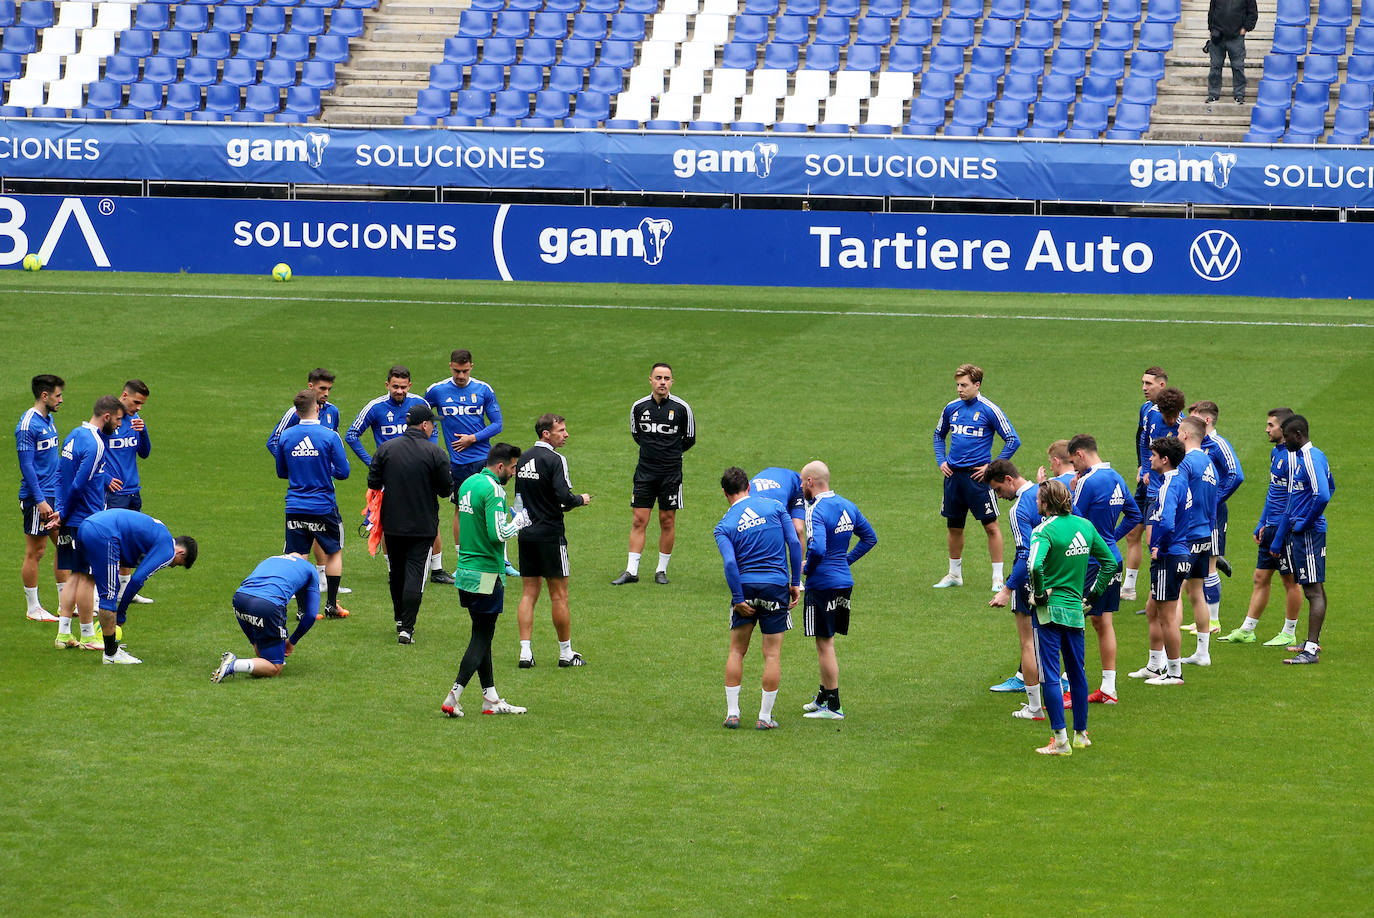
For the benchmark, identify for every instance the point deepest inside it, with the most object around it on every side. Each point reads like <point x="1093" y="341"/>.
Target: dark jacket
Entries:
<point x="413" y="473"/>
<point x="543" y="485"/>
<point x="1225" y="18"/>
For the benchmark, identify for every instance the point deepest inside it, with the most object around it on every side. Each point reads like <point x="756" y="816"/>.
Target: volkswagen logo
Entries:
<point x="1215" y="255"/>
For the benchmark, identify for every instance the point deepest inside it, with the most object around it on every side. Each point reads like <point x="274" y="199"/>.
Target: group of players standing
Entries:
<point x="1186" y="472"/>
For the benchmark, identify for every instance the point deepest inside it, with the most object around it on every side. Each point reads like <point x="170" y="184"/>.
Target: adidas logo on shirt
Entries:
<point x="749" y="519"/>
<point x="845" y="524"/>
<point x="1077" y="546"/>
<point x="304" y="448"/>
<point x="465" y="504"/>
<point x="528" y="471"/>
<point x="1118" y="497"/>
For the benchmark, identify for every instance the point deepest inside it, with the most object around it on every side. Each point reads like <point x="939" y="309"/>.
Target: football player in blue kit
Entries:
<point x="311" y="458"/>
<point x="130" y="443"/>
<point x="1152" y="382"/>
<point x="37" y="445"/>
<point x="785" y="487"/>
<point x="1230" y="476"/>
<point x="260" y="607"/>
<point x="1202" y="481"/>
<point x="1301" y="531"/>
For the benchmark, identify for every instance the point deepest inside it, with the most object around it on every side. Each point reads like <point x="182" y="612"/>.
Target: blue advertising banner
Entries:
<point x="692" y="246"/>
<point x="1241" y="175"/>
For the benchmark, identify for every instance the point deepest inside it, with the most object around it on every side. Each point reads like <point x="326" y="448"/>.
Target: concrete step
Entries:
<point x="405" y="92"/>
<point x="382" y="77"/>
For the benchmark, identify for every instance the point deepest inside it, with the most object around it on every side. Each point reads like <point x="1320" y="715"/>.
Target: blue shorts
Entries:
<point x="264" y="624"/>
<point x="125" y="500"/>
<point x="771" y="600"/>
<point x="461" y="472"/>
<point x="1219" y="532"/>
<point x="305" y="529"/>
<point x="1021" y="600"/>
<point x="1200" y="560"/>
<point x="70" y="557"/>
<point x="484" y="603"/>
<point x="1110" y="600"/>
<point x="1142" y="500"/>
<point x="1267" y="562"/>
<point x="1306" y="554"/>
<point x="963" y="496"/>
<point x="101" y="551"/>
<point x="825" y="613"/>
<point x="33" y="526"/>
<point x="1167" y="576"/>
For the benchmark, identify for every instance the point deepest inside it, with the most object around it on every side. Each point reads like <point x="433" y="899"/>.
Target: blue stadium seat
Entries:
<point x="36" y="14"/>
<point x="946" y="59"/>
<point x="550" y="25"/>
<point x="122" y="68"/>
<point x="192" y="17"/>
<point x="1293" y="13"/>
<point x="1290" y="40"/>
<point x="846" y="8"/>
<point x="1305" y="123"/>
<point x="500" y="51"/>
<point x="938" y="86"/>
<point x="804" y="7"/>
<point x="578" y="52"/>
<point x="292" y="46"/>
<point x="151" y="17"/>
<point x="487" y="78"/>
<point x="474" y="24"/>
<point x="302" y="100"/>
<point x="265" y="100"/>
<point x="1021" y="87"/>
<point x="1027" y="60"/>
<point x="1359" y="68"/>
<point x="1123" y="11"/>
<point x="751" y="28"/>
<point x="239" y="72"/>
<point x="1156" y="36"/>
<point x="1059" y="87"/>
<point x="874" y="30"/>
<point x="434" y="103"/>
<point x="348" y="22"/>
<point x="512" y="24"/>
<point x="890" y="9"/>
<point x="1130" y="122"/>
<point x="11" y="66"/>
<point x="317" y="75"/>
<point x="1169" y="11"/>
<point x="868" y="58"/>
<point x="1147" y="63"/>
<point x="831" y="30"/>
<point x="970" y="117"/>
<point x="989" y="60"/>
<point x="1009" y="118"/>
<point x="566" y="78"/>
<point x="159" y="69"/>
<point x="904" y="59"/>
<point x="965" y="9"/>
<point x="740" y="55"/>
<point x="1050" y="119"/>
<point x="1108" y="63"/>
<point x="1307" y="93"/>
<point x="914" y="31"/>
<point x="144" y="96"/>
<point x="1013" y="10"/>
<point x="997" y="33"/>
<point x="565" y="7"/>
<point x="630" y="27"/>
<point x="490" y="6"/>
<point x="1351" y="127"/>
<point x="525" y="6"/>
<point x="758" y="7"/>
<point x="1274" y="94"/>
<point x="540" y="52"/>
<point x="780" y="56"/>
<point x="1077" y="35"/>
<point x="448" y="77"/>
<point x="1089" y="121"/>
<point x="791" y="30"/>
<point x="331" y="48"/>
<point x="330" y="4"/>
<point x="600" y="6"/>
<point x="1329" y="13"/>
<point x="1069" y="61"/>
<point x="1085" y="11"/>
<point x="523" y="77"/>
<point x="1282" y="67"/>
<point x="22" y="39"/>
<point x="1364" y="38"/>
<point x="594" y="105"/>
<point x="242" y="115"/>
<point x="8" y="11"/>
<point x="927" y="115"/>
<point x="823" y="57"/>
<point x="1138" y="90"/>
<point x="230" y="19"/>
<point x="981" y="87"/>
<point x="1357" y="96"/>
<point x="284" y="3"/>
<point x="609" y="80"/>
<point x="551" y="104"/>
<point x="280" y="74"/>
<point x="1319" y="68"/>
<point x="105" y="95"/>
<point x="473" y="103"/>
<point x="271" y="20"/>
<point x="221" y="99"/>
<point x="956" y="32"/>
<point x="1099" y="89"/>
<point x="131" y="41"/>
<point x="307" y="20"/>
<point x="512" y="103"/>
<point x="1117" y="36"/>
<point x="1049" y="10"/>
<point x="535" y="121"/>
<point x="1037" y="33"/>
<point x="1266" y="124"/>
<point x="926" y="9"/>
<point x="253" y="46"/>
<point x="460" y="51"/>
<point x="1326" y="40"/>
<point x="589" y="26"/>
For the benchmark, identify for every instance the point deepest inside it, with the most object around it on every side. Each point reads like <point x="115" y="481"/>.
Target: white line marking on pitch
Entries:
<point x="854" y="313"/>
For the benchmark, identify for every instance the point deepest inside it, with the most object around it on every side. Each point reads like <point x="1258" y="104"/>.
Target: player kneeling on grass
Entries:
<point x="485" y="526"/>
<point x="758" y="545"/>
<point x="112" y="539"/>
<point x="260" y="605"/>
<point x="1059" y="552"/>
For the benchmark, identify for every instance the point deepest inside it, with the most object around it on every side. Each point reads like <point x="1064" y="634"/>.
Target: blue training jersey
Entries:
<point x="82" y="475"/>
<point x="758" y="544"/>
<point x="311" y="456"/>
<point x="1142" y="441"/>
<point x="1276" y="497"/>
<point x="126" y="447"/>
<point x="1169" y="522"/>
<point x="783" y="486"/>
<point x="279" y="578"/>
<point x="145" y="544"/>
<point x="970" y="427"/>
<point x="1201" y="478"/>
<point x="831" y="522"/>
<point x="461" y="411"/>
<point x="329" y="417"/>
<point x="1104" y="499"/>
<point x="36" y="441"/>
<point x="1229" y="473"/>
<point x="1310" y="487"/>
<point x="1025" y="516"/>
<point x="1154" y="429"/>
<point x="386" y="420"/>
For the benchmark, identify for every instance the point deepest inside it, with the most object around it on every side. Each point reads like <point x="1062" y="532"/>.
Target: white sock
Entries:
<point x="663" y="562"/>
<point x="732" y="701"/>
<point x="525" y="652"/>
<point x="1156" y="659"/>
<point x="1202" y="641"/>
<point x="123" y="585"/>
<point x="1175" y="667"/>
<point x="243" y="666"/>
<point x="956" y="566"/>
<point x="457" y="691"/>
<point x="1249" y="624"/>
<point x="323" y="584"/>
<point x="1061" y="736"/>
<point x="88" y="629"/>
<point x="1290" y="626"/>
<point x="490" y="695"/>
<point x="565" y="650"/>
<point x="1109" y="682"/>
<point x="31" y="596"/>
<point x="1214" y="611"/>
<point x="766" y="706"/>
<point x="997" y="573"/>
<point x="1020" y="675"/>
<point x="632" y="565"/>
<point x="1034" y="697"/>
<point x="1311" y="647"/>
<point x="1128" y="582"/>
<point x="64" y="624"/>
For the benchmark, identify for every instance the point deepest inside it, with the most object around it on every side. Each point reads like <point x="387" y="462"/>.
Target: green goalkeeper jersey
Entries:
<point x="1059" y="551"/>
<point x="484" y="526"/>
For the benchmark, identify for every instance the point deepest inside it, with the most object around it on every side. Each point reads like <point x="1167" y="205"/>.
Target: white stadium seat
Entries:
<point x="658" y="54"/>
<point x="729" y="81"/>
<point x="763" y="109"/>
<point x="718" y="107"/>
<point x="686" y="81"/>
<point x="25" y="93"/>
<point x="842" y="110"/>
<point x="811" y="84"/>
<point x="97" y="43"/>
<point x="676" y="106"/>
<point x="800" y="109"/>
<point x="58" y="41"/>
<point x="711" y="28"/>
<point x="856" y="83"/>
<point x="66" y="94"/>
<point x="114" y="16"/>
<point x="769" y="84"/>
<point x="680" y="7"/>
<point x="894" y="85"/>
<point x="646" y="81"/>
<point x="42" y="68"/>
<point x="669" y="27"/>
<point x="698" y="54"/>
<point x="632" y="106"/>
<point x="885" y="110"/>
<point x="73" y="14"/>
<point x="81" y="68"/>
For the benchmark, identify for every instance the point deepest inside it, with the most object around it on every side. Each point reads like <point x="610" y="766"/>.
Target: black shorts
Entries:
<point x="1167" y="576"/>
<point x="963" y="495"/>
<point x="484" y="603"/>
<point x="664" y="487"/>
<point x="826" y="612"/>
<point x="264" y="624"/>
<point x="33" y="526"/>
<point x="544" y="559"/>
<point x="129" y="500"/>
<point x="1110" y="600"/>
<point x="1267" y="562"/>
<point x="461" y="472"/>
<point x="1201" y="560"/>
<point x="770" y="602"/>
<point x="1219" y="532"/>
<point x="303" y="530"/>
<point x="1142" y="500"/>
<point x="70" y="557"/>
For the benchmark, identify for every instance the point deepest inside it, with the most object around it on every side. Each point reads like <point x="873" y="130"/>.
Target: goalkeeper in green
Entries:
<point x="1059" y="551"/>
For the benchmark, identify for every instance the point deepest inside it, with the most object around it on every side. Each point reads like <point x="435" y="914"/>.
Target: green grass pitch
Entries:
<point x="339" y="789"/>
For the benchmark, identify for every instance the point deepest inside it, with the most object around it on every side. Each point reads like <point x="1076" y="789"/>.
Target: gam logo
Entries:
<point x="1214" y="255"/>
<point x="647" y="241"/>
<point x="758" y="159"/>
<point x="240" y="151"/>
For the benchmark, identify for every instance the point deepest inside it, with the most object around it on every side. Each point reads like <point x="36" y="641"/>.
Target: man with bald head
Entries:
<point x="831" y="522"/>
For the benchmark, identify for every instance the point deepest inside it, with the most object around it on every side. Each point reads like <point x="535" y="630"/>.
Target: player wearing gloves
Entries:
<point x="486" y="526"/>
<point x="1059" y="552"/>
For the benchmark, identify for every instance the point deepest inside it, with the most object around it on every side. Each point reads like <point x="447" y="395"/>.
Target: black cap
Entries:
<point x="418" y="414"/>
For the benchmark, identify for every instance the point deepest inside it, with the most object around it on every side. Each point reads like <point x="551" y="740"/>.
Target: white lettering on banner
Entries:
<point x="32" y="148"/>
<point x="758" y="159"/>
<point x="647" y="241"/>
<point x="919" y="253"/>
<point x="410" y="237"/>
<point x="1215" y="170"/>
<point x="974" y="168"/>
<point x="446" y="156"/>
<point x="1294" y="176"/>
<point x="12" y="228"/>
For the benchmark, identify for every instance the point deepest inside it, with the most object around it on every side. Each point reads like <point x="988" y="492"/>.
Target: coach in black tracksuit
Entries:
<point x="413" y="475"/>
<point x="1227" y="23"/>
<point x="544" y="490"/>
